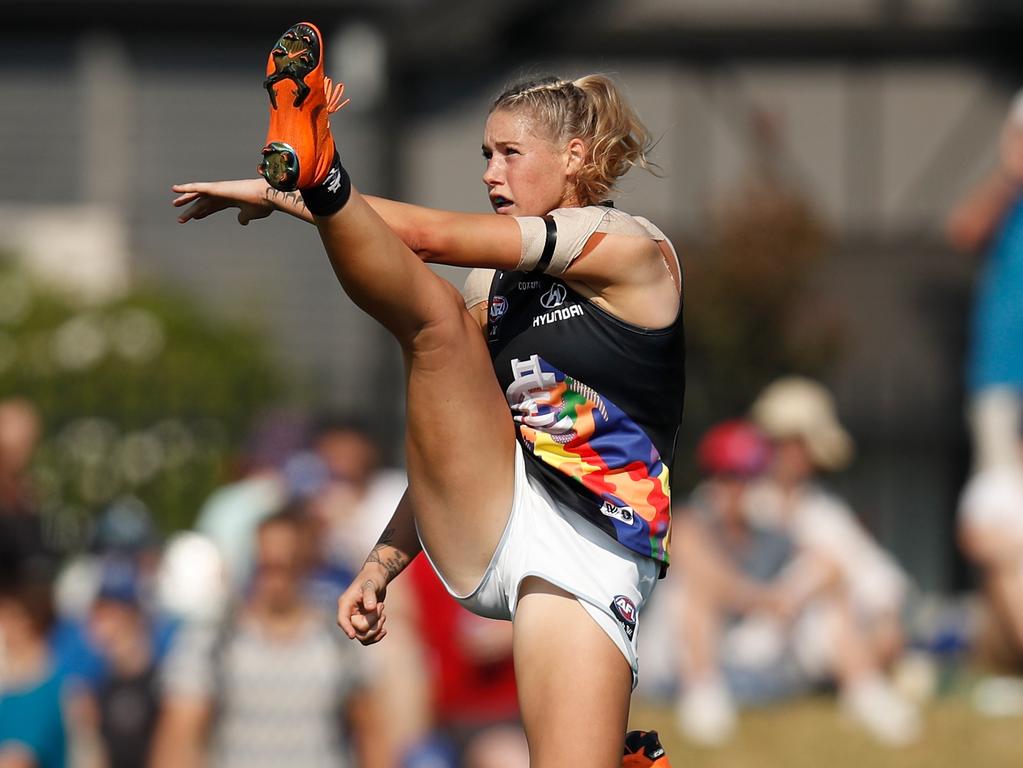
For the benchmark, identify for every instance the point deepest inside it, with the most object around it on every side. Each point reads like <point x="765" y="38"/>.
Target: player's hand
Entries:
<point x="360" y="609"/>
<point x="204" y="198"/>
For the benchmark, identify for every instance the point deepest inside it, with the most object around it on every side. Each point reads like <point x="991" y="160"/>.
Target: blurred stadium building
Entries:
<point x="888" y="108"/>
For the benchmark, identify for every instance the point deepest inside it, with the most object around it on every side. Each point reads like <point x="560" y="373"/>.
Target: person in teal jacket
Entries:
<point x="33" y="731"/>
<point x="990" y="220"/>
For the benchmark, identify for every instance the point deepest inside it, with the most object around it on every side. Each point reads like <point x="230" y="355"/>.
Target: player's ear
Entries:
<point x="575" y="155"/>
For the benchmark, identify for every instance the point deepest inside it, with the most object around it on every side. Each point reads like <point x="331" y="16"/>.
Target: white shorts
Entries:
<point x="557" y="545"/>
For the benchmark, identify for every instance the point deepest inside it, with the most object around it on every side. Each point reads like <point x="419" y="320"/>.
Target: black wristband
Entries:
<point x="331" y="195"/>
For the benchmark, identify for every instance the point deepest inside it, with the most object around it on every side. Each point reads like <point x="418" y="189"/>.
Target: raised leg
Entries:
<point x="460" y="439"/>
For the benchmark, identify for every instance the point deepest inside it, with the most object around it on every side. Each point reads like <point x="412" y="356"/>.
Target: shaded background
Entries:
<point x="872" y="116"/>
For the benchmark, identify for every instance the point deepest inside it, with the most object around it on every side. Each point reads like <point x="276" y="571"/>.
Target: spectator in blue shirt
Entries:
<point x="33" y="732"/>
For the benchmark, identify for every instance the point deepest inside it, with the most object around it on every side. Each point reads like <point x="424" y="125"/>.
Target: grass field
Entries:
<point x="813" y="733"/>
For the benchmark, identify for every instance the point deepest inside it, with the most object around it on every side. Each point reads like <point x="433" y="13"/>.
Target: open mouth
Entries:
<point x="501" y="204"/>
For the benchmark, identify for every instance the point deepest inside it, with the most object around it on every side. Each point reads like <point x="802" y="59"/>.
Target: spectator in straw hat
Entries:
<point x="847" y="595"/>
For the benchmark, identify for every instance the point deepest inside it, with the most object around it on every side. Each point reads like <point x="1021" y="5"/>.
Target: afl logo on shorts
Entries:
<point x="625" y="611"/>
<point x="554" y="297"/>
<point x="498" y="306"/>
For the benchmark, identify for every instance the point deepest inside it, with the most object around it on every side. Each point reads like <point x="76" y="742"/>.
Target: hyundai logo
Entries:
<point x="554" y="297"/>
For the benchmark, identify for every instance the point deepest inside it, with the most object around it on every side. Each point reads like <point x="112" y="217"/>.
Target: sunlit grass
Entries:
<point x="813" y="733"/>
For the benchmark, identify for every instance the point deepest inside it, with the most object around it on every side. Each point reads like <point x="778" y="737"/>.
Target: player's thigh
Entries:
<point x="574" y="683"/>
<point x="460" y="445"/>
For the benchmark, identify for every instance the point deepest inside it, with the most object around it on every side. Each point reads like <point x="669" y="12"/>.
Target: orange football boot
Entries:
<point x="644" y="750"/>
<point x="299" y="147"/>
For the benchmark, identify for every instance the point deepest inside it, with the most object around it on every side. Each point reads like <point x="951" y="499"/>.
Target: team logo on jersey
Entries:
<point x="498" y="306"/>
<point x="554" y="297"/>
<point x="625" y="514"/>
<point x="625" y="611"/>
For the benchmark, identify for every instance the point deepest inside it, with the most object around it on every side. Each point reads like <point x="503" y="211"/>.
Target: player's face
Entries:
<point x="527" y="173"/>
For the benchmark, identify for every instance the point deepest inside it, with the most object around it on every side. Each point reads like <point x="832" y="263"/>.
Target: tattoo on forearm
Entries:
<point x="293" y="199"/>
<point x="393" y="561"/>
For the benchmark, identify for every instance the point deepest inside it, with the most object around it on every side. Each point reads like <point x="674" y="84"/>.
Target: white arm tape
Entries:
<point x="477" y="287"/>
<point x="551" y="243"/>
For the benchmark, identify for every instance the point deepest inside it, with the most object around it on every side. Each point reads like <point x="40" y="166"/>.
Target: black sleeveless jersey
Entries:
<point x="597" y="402"/>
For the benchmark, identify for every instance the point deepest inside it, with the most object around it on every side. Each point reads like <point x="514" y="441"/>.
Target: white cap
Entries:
<point x="799" y="407"/>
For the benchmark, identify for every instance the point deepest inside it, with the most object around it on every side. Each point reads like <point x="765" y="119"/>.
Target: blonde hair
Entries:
<point x="589" y="108"/>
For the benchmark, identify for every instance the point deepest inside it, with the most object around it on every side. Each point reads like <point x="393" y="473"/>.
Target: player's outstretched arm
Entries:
<point x="435" y="235"/>
<point x="360" y="609"/>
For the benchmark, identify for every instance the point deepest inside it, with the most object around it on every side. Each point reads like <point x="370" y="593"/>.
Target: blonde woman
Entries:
<point x="537" y="451"/>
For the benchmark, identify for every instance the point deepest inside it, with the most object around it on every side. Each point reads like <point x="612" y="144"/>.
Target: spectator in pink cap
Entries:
<point x="727" y="565"/>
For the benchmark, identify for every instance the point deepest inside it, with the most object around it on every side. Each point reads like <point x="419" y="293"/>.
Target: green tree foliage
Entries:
<point x="144" y="396"/>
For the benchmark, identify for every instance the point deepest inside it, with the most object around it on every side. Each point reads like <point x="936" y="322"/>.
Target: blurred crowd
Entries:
<point x="218" y="645"/>
<point x="780" y="589"/>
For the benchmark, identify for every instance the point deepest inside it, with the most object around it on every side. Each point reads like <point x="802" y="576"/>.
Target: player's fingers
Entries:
<point x="202" y="209"/>
<point x="347" y="608"/>
<point x="369" y="594"/>
<point x="191" y="186"/>
<point x="364" y="620"/>
<point x="190" y="213"/>
<point x="184" y="199"/>
<point x="374" y="638"/>
<point x="344" y="617"/>
<point x="372" y="631"/>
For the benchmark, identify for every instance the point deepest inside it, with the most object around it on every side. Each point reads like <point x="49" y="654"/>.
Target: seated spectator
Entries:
<point x="846" y="594"/>
<point x="722" y="589"/>
<point x="273" y="684"/>
<point x="991" y="535"/>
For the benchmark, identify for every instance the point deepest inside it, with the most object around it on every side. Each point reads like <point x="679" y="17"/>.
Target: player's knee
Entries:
<point x="446" y="325"/>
